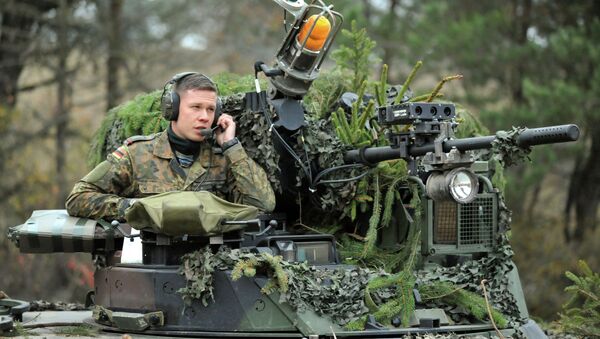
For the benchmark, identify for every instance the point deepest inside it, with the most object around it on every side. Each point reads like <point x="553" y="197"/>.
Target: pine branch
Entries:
<point x="408" y="81"/>
<point x="389" y="201"/>
<point x="381" y="86"/>
<point x="440" y="84"/>
<point x="425" y="97"/>
<point x="373" y="221"/>
<point x="582" y="311"/>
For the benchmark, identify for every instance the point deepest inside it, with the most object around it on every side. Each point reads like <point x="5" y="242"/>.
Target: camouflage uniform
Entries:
<point x="146" y="165"/>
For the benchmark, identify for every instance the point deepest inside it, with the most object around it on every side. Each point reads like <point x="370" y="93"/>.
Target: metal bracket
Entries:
<point x="128" y="321"/>
<point x="441" y="160"/>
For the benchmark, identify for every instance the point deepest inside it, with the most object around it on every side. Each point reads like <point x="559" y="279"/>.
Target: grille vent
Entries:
<point x="468" y="224"/>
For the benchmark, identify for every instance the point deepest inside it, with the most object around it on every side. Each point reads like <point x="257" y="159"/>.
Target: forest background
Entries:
<point x="64" y="63"/>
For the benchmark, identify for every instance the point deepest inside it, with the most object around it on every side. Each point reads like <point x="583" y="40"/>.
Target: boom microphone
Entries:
<point x="208" y="133"/>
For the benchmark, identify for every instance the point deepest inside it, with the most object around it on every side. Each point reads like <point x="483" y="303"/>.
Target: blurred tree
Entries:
<point x="32" y="34"/>
<point x="165" y="38"/>
<point x="571" y="93"/>
<point x="116" y="57"/>
<point x="20" y="21"/>
<point x="543" y="56"/>
<point x="64" y="91"/>
<point x="388" y="23"/>
<point x="257" y="40"/>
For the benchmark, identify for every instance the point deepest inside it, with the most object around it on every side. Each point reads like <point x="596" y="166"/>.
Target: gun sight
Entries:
<point x="408" y="113"/>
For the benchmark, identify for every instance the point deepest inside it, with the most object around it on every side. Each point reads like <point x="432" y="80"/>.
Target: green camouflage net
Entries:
<point x="493" y="268"/>
<point x="506" y="148"/>
<point x="345" y="295"/>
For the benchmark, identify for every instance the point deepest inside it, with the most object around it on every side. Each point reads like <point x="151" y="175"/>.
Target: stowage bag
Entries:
<point x="192" y="213"/>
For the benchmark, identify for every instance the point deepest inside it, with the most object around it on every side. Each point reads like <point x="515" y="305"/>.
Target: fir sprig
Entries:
<point x="409" y="79"/>
<point x="381" y="87"/>
<point x="390" y="198"/>
<point x="440" y="84"/>
<point x="581" y="314"/>
<point x="355" y="56"/>
<point x="371" y="237"/>
<point x="451" y="294"/>
<point x="404" y="282"/>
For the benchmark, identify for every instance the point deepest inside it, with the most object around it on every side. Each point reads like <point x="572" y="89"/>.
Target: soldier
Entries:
<point x="184" y="157"/>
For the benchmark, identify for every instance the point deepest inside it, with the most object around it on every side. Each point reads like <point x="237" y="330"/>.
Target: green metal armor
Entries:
<point x="145" y="166"/>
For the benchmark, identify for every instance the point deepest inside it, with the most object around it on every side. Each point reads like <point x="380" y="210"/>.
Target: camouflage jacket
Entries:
<point x="146" y="165"/>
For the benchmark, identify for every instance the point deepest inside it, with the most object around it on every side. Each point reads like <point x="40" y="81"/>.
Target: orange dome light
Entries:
<point x="319" y="34"/>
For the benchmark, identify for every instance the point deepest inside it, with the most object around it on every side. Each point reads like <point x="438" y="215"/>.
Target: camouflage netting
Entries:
<point x="494" y="269"/>
<point x="506" y="149"/>
<point x="346" y="295"/>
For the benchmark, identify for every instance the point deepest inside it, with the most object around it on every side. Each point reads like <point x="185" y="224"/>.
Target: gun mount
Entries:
<point x="433" y="131"/>
<point x="429" y="140"/>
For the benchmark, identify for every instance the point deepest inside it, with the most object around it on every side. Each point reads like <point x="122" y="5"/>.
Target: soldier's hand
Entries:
<point x="228" y="129"/>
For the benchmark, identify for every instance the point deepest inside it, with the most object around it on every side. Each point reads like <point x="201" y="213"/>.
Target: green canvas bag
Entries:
<point x="192" y="213"/>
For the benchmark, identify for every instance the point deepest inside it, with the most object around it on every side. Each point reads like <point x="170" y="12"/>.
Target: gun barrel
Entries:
<point x="529" y="137"/>
<point x="548" y="135"/>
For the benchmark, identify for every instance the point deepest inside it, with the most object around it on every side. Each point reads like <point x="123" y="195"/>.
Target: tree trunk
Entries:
<point x="389" y="31"/>
<point x="571" y="195"/>
<point x="62" y="110"/>
<point x="10" y="70"/>
<point x="115" y="53"/>
<point x="533" y="199"/>
<point x="18" y="20"/>
<point x="586" y="191"/>
<point x="367" y="12"/>
<point x="522" y="21"/>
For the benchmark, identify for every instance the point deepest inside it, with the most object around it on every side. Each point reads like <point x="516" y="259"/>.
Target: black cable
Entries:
<point x="310" y="178"/>
<point x="329" y="170"/>
<point x="287" y="147"/>
<point x="335" y="181"/>
<point x="338" y="181"/>
<point x="293" y="154"/>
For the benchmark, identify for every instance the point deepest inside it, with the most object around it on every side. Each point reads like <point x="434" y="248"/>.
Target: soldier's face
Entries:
<point x="196" y="112"/>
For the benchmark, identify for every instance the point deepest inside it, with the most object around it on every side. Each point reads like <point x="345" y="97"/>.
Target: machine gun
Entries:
<point x="444" y="159"/>
<point x="461" y="216"/>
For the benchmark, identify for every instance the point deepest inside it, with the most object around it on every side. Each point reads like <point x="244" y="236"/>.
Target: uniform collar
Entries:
<point x="162" y="147"/>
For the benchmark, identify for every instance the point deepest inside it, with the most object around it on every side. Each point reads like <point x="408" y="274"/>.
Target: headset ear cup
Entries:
<point x="166" y="105"/>
<point x="175" y="106"/>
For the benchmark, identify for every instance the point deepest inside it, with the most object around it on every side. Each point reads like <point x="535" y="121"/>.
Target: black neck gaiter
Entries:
<point x="182" y="145"/>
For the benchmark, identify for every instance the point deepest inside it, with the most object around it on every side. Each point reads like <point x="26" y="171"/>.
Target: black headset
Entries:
<point x="169" y="100"/>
